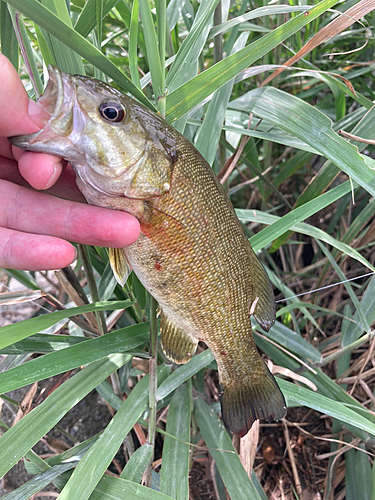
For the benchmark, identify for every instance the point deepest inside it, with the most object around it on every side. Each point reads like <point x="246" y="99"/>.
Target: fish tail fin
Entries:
<point x="242" y="404"/>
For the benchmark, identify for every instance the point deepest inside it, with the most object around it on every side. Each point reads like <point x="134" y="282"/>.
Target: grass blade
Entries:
<point x="227" y="461"/>
<point x="10" y="334"/>
<point x="156" y="70"/>
<point x="8" y="39"/>
<point x="174" y="474"/>
<point x="293" y="342"/>
<point x="29" y="430"/>
<point x="311" y="126"/>
<point x="114" y="488"/>
<point x="42" y="344"/>
<point x="48" y="21"/>
<point x="305" y="397"/>
<point x="193" y="43"/>
<point x="136" y="466"/>
<point x="191" y="93"/>
<point x="133" y="39"/>
<point x="93" y="465"/>
<point x="361" y="315"/>
<point x="210" y="131"/>
<point x="183" y="373"/>
<point x="42" y="480"/>
<point x="77" y="355"/>
<point x="267" y="235"/>
<point x="304" y="228"/>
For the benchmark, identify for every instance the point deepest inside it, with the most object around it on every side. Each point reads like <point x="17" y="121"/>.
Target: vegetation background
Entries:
<point x="305" y="194"/>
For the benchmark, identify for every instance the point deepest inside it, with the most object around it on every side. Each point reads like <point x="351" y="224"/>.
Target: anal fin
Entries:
<point x="263" y="307"/>
<point x="177" y="345"/>
<point x="119" y="264"/>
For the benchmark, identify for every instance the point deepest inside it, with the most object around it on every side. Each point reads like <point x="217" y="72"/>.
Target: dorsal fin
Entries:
<point x="263" y="307"/>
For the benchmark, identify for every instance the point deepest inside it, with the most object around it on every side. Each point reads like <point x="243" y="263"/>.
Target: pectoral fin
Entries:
<point x="177" y="345"/>
<point x="119" y="264"/>
<point x="263" y="307"/>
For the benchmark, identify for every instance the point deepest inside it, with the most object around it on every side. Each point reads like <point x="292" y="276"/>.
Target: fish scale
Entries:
<point x="192" y="254"/>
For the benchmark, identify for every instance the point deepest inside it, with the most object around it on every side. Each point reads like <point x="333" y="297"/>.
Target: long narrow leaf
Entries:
<point x="48" y="21"/>
<point x="304" y="228"/>
<point x="305" y="397"/>
<point x="221" y="448"/>
<point x="30" y="429"/>
<point x="310" y="125"/>
<point x="61" y="361"/>
<point x="174" y="479"/>
<point x="97" y="459"/>
<point x="10" y="334"/>
<point x="264" y="237"/>
<point x="181" y="100"/>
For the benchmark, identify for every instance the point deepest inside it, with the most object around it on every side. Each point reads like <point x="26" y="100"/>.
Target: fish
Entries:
<point x="192" y="254"/>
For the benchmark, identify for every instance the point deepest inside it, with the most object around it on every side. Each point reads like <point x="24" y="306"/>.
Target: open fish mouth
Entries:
<point x="57" y="100"/>
<point x="52" y="100"/>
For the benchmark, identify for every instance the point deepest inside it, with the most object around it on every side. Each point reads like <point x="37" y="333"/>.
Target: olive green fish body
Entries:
<point x="192" y="254"/>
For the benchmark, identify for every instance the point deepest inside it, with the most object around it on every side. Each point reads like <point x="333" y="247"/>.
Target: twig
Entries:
<point x="356" y="138"/>
<point x="369" y="354"/>
<point x="292" y="459"/>
<point x="153" y="382"/>
<point x="228" y="169"/>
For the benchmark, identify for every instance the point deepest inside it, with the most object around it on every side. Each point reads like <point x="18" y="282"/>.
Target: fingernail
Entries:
<point x="53" y="178"/>
<point x="37" y="114"/>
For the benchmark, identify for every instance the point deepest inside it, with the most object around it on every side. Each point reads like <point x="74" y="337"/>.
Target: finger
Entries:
<point x="66" y="186"/>
<point x="19" y="115"/>
<point x="40" y="170"/>
<point x="25" y="210"/>
<point x="33" y="252"/>
<point x="6" y="148"/>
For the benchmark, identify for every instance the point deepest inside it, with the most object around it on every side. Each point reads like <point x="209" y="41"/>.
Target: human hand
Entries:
<point x="35" y="227"/>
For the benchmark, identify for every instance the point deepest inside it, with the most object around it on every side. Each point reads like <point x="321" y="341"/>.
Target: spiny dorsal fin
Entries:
<point x="263" y="307"/>
<point x="177" y="345"/>
<point x="119" y="264"/>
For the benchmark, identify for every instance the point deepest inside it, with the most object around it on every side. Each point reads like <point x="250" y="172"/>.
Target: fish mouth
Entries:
<point x="52" y="100"/>
<point x="57" y="101"/>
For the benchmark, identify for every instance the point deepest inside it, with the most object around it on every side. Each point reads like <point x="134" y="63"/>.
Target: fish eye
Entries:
<point x="112" y="111"/>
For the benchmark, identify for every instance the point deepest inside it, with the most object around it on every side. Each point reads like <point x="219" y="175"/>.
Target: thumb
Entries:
<point x="19" y="115"/>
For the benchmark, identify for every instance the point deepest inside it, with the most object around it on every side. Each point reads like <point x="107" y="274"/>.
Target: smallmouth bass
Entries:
<point x="192" y="254"/>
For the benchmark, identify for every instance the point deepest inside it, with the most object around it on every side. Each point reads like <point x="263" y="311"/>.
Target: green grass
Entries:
<point x="305" y="196"/>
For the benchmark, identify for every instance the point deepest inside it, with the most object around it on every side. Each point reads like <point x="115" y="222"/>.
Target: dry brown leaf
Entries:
<point x="27" y="401"/>
<point x="141" y="364"/>
<point x="56" y="445"/>
<point x="248" y="448"/>
<point x="327" y="32"/>
<point x="8" y="298"/>
<point x="310" y="495"/>
<point x="70" y="284"/>
<point x="294" y="376"/>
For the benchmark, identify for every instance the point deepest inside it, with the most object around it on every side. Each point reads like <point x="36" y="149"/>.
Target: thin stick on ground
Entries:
<point x="292" y="459"/>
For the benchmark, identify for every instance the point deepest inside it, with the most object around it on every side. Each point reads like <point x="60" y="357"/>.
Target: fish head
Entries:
<point x="115" y="145"/>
